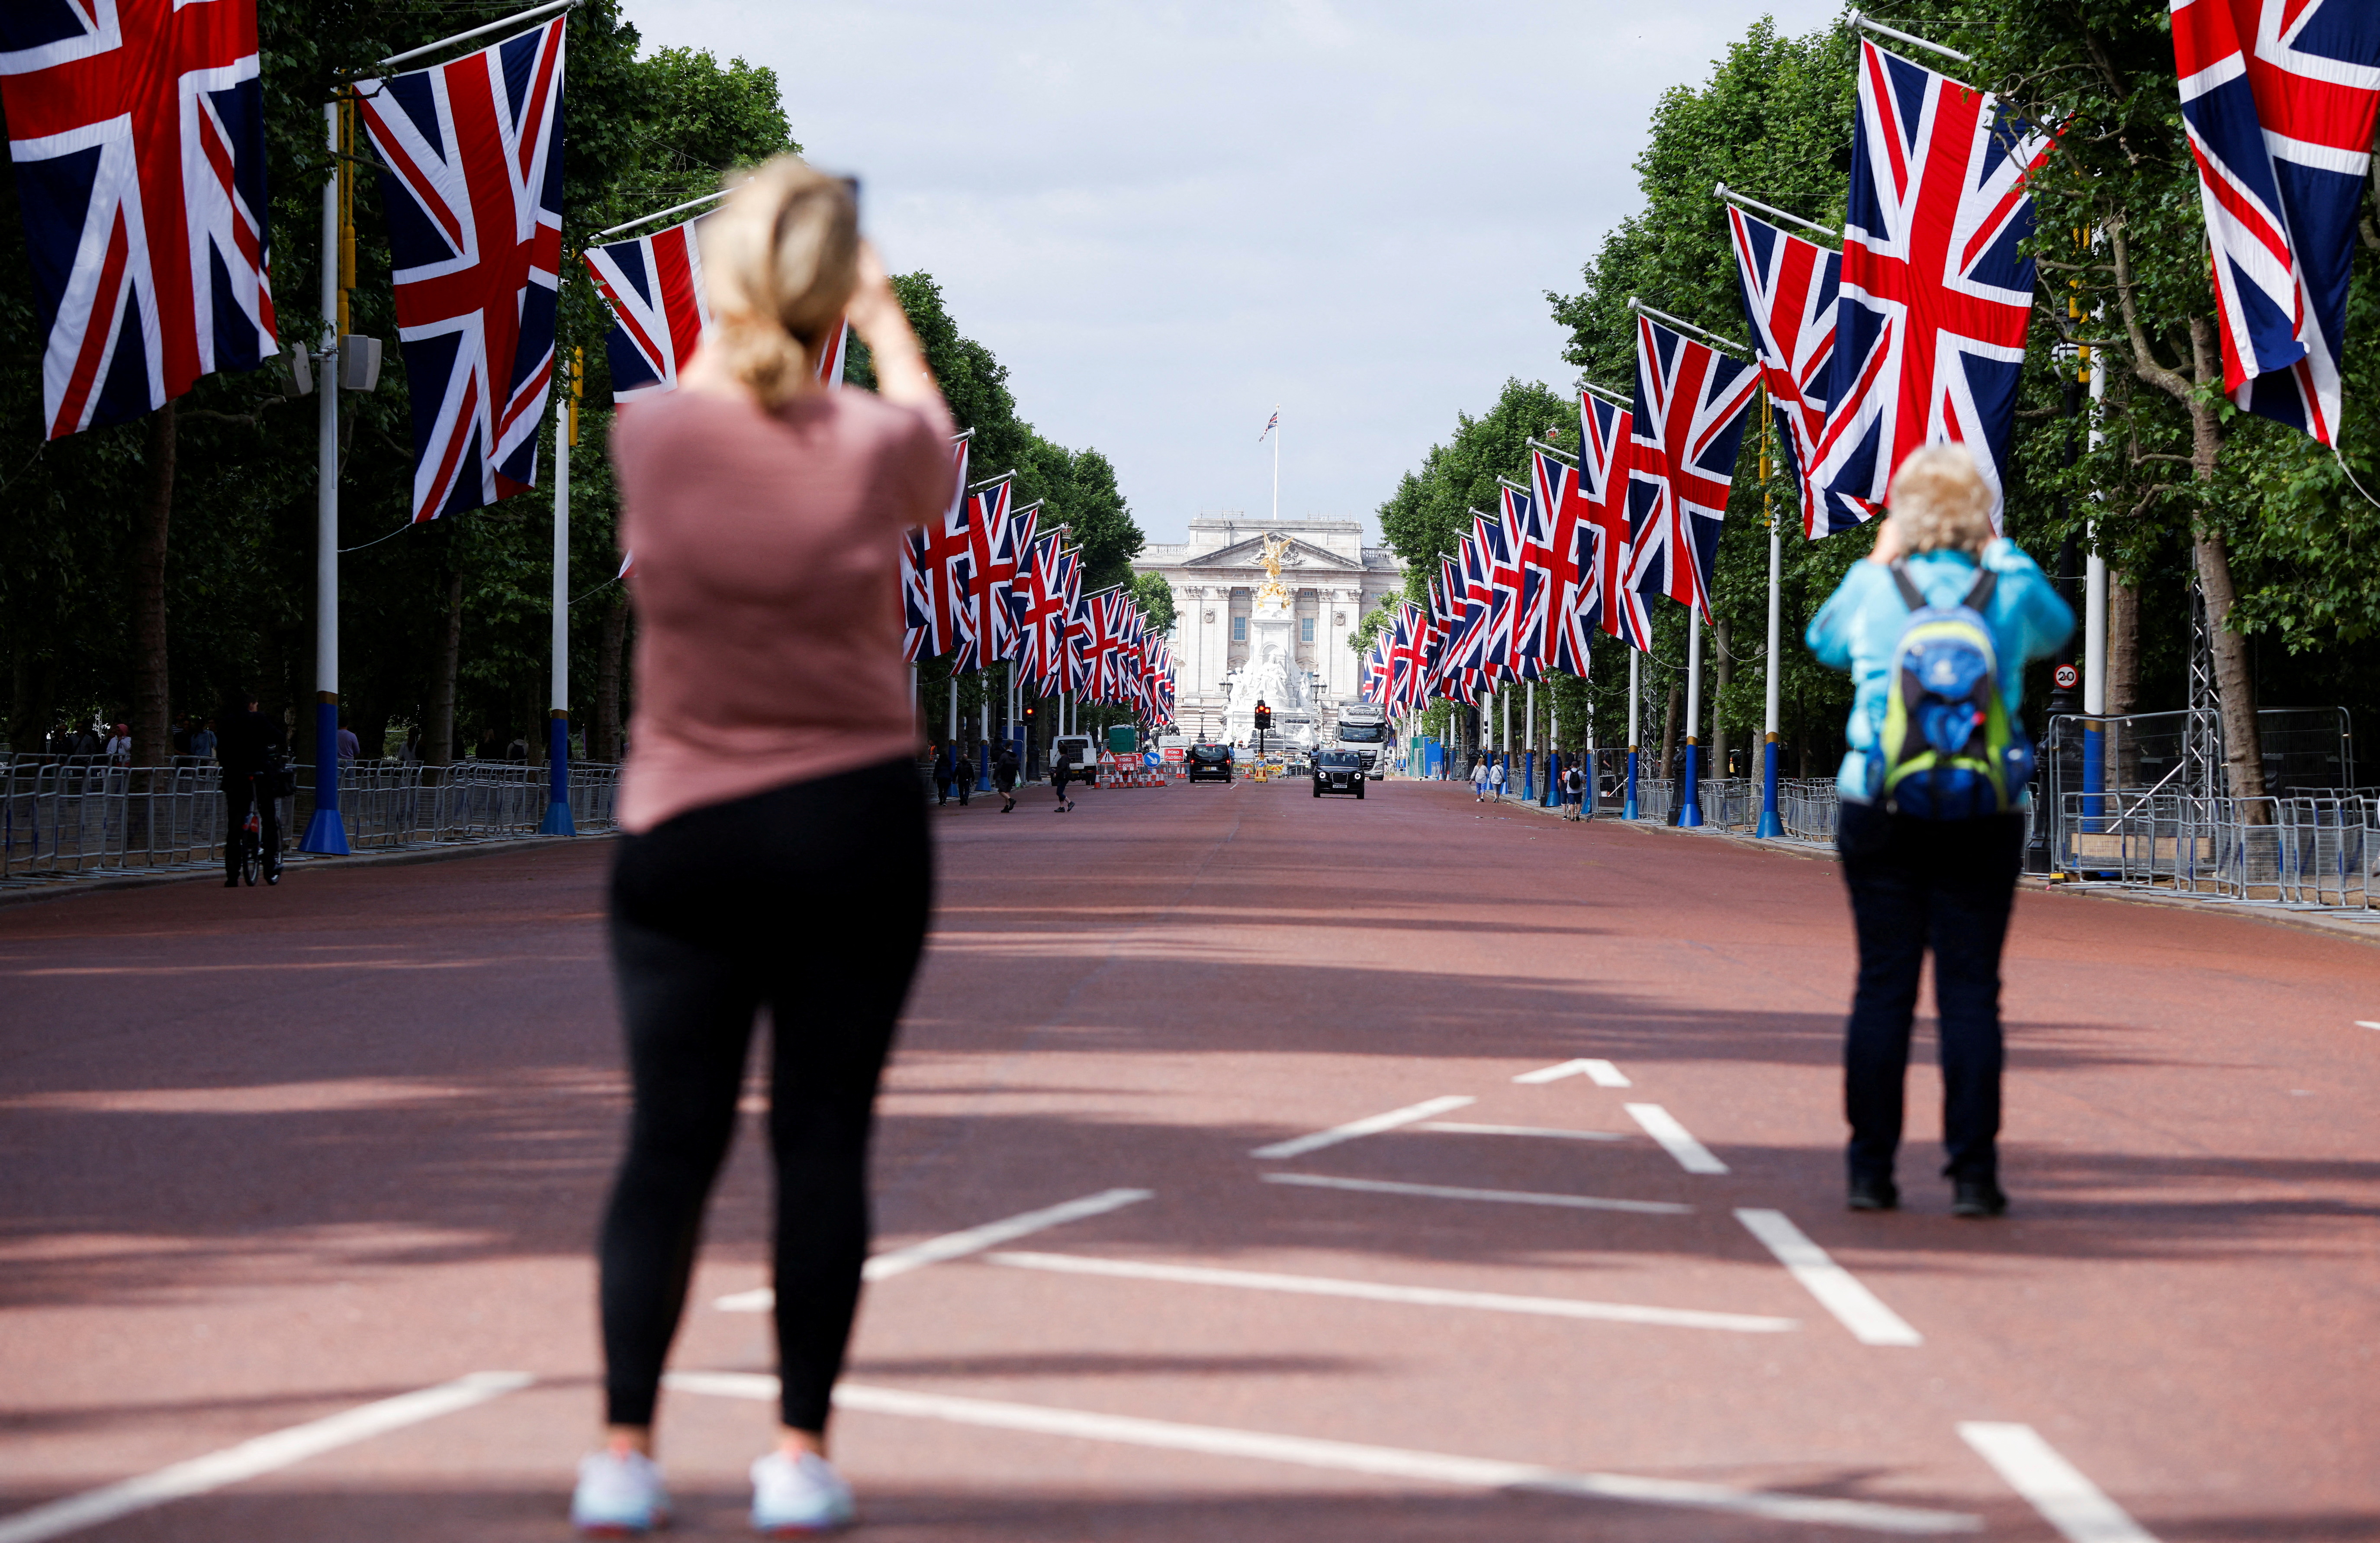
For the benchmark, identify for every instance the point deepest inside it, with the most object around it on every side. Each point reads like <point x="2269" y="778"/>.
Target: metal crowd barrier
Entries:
<point x="2308" y="850"/>
<point x="60" y="818"/>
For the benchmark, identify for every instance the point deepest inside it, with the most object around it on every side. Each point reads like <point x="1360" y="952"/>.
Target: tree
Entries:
<point x="1155" y="597"/>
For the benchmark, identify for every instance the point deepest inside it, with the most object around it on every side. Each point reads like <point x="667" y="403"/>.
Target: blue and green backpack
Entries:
<point x="1948" y="748"/>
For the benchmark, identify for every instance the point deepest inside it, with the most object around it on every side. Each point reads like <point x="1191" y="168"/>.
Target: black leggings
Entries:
<point x="810" y="900"/>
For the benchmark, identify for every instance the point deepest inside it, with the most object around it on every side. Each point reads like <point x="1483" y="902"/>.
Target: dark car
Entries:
<point x="1338" y="772"/>
<point x="1209" y="763"/>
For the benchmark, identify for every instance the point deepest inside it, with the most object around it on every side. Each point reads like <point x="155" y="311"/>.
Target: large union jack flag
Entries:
<point x="653" y="284"/>
<point x="470" y="158"/>
<point x="1499" y="567"/>
<point x="1929" y="330"/>
<point x="937" y="571"/>
<point x="1524" y="520"/>
<point x="1606" y="448"/>
<point x="1570" y="548"/>
<point x="990" y="631"/>
<point x="1688" y="421"/>
<point x="1789" y="298"/>
<point x="137" y="131"/>
<point x="2279" y="97"/>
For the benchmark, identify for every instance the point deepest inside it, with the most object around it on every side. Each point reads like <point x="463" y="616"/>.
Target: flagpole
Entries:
<point x="1769" y="824"/>
<point x="1276" y="464"/>
<point x="2094" y="629"/>
<point x="1690" y="808"/>
<point x="557" y="821"/>
<point x="1635" y="663"/>
<point x="326" y="832"/>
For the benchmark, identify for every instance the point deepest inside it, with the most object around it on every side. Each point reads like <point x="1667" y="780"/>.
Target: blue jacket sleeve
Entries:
<point x="2042" y="618"/>
<point x="1829" y="634"/>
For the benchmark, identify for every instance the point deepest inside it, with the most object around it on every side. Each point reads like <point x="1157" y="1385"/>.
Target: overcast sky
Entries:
<point x="1165" y="219"/>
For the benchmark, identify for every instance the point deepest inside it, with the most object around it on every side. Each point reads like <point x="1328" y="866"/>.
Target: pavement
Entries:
<point x="1252" y="1167"/>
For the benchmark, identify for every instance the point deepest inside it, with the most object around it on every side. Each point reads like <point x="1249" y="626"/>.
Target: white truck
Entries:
<point x="1364" y="729"/>
<point x="1078" y="755"/>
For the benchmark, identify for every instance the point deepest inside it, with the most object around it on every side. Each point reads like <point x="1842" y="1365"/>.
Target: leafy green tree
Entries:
<point x="1155" y="597"/>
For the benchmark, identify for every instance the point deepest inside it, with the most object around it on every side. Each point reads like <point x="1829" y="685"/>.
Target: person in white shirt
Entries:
<point x="119" y="749"/>
<point x="1495" y="779"/>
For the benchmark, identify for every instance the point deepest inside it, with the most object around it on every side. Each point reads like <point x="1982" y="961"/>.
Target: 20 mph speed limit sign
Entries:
<point x="2068" y="678"/>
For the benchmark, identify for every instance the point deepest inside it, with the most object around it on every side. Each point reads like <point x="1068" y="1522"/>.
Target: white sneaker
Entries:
<point x="619" y="1495"/>
<point x="797" y="1495"/>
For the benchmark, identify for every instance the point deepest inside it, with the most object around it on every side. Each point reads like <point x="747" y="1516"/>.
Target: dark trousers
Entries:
<point x="1915" y="884"/>
<point x="810" y="900"/>
<point x="239" y="796"/>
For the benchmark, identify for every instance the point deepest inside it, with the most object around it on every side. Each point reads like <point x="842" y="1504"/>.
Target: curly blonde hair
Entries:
<point x="1939" y="499"/>
<point x="779" y="263"/>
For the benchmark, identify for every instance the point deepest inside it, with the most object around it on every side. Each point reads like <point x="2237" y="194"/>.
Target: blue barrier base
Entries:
<point x="557" y="820"/>
<point x="1628" y="804"/>
<point x="1690" y="807"/>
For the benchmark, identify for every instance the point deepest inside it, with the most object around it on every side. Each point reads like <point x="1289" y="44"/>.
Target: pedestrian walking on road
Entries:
<point x="785" y="864"/>
<point x="944" y="769"/>
<point x="1496" y="778"/>
<point x="1574" y="792"/>
<point x="964" y="780"/>
<point x="1004" y="777"/>
<point x="1480" y="776"/>
<point x="1061" y="772"/>
<point x="1921" y="871"/>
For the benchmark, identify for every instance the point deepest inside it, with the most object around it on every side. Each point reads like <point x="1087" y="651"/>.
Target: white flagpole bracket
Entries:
<point x="1863" y="22"/>
<point x="665" y="214"/>
<point x="513" y="20"/>
<point x="1662" y="316"/>
<point x="1554" y="450"/>
<point x="1618" y="399"/>
<point x="1726" y="194"/>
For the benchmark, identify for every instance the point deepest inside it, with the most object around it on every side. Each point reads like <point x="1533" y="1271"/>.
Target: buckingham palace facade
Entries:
<point x="1332" y="577"/>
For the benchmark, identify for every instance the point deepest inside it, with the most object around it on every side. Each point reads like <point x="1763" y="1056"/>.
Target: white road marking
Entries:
<point x="1837" y="1291"/>
<point x="1369" y="1125"/>
<point x="1419" y="1296"/>
<point x="1470" y="1473"/>
<point x="957" y="1245"/>
<point x="262" y="1454"/>
<point x="2056" y="1489"/>
<point x="1507" y="1197"/>
<point x="2366" y="1023"/>
<point x="1675" y="1139"/>
<point x="1603" y="1074"/>
<point x="1460" y="1128"/>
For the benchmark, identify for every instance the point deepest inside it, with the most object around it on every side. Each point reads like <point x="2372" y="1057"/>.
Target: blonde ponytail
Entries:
<point x="779" y="261"/>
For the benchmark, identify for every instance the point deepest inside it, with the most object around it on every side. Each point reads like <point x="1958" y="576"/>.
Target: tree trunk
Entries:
<point x="152" y="729"/>
<point x="1670" y="733"/>
<point x="1721" y="669"/>
<point x="2235" y="683"/>
<point x="438" y="739"/>
<point x="610" y="643"/>
<point x="2123" y="675"/>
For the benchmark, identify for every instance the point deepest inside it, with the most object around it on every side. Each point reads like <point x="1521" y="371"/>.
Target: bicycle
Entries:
<point x="249" y="838"/>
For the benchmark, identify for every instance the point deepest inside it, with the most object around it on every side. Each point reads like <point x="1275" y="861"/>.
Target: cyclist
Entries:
<point x="248" y="744"/>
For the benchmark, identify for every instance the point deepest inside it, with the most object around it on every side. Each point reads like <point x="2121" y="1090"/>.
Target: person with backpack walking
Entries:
<point x="1496" y="778"/>
<point x="784" y="864"/>
<point x="1574" y="792"/>
<point x="1061" y="772"/>
<point x="1935" y="626"/>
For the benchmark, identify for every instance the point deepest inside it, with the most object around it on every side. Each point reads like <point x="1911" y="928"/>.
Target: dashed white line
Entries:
<point x="1460" y="1128"/>
<point x="1675" y="1139"/>
<point x="2067" y="1501"/>
<point x="1603" y="1074"/>
<point x="263" y="1454"/>
<point x="1419" y="1296"/>
<point x="1503" y="1196"/>
<point x="957" y="1246"/>
<point x="1369" y="1125"/>
<point x="1837" y="1289"/>
<point x="1470" y="1473"/>
<point x="2366" y="1023"/>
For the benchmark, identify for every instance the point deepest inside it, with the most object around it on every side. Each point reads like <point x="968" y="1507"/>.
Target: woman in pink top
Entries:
<point x="776" y="853"/>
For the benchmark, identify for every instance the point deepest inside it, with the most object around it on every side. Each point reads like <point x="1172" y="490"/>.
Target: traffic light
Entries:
<point x="1029" y="714"/>
<point x="1264" y="715"/>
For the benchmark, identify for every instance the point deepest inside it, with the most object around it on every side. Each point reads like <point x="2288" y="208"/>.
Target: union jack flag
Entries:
<point x="1499" y="564"/>
<point x="1477" y="601"/>
<point x="1607" y="440"/>
<point x="2279" y="97"/>
<point x="1374" y="688"/>
<point x="470" y="158"/>
<point x="990" y="632"/>
<point x="1041" y="628"/>
<point x="1524" y="530"/>
<point x="1929" y="330"/>
<point x="1790" y="299"/>
<point x="1688" y="423"/>
<point x="1571" y="552"/>
<point x="653" y="284"/>
<point x="138" y="130"/>
<point x="1408" y="639"/>
<point x="937" y="574"/>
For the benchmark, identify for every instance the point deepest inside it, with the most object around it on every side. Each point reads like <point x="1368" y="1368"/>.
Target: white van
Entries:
<point x="1078" y="755"/>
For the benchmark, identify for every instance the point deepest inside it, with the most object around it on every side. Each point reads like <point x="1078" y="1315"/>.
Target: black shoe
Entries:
<point x="1977" y="1199"/>
<point x="1875" y="1195"/>
<point x="231" y="883"/>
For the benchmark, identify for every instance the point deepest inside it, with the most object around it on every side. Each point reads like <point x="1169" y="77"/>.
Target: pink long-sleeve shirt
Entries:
<point x="766" y="588"/>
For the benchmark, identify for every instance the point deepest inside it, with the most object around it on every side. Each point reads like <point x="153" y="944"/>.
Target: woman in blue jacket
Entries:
<point x="1919" y="882"/>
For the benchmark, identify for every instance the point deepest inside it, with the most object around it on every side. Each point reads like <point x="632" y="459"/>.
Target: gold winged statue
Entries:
<point x="1275" y="548"/>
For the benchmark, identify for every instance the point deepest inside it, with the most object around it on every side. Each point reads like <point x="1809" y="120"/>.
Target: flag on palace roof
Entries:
<point x="1688" y="421"/>
<point x="470" y="157"/>
<point x="1274" y="422"/>
<point x="136" y="127"/>
<point x="1789" y="289"/>
<point x="1930" y="322"/>
<point x="2279" y="97"/>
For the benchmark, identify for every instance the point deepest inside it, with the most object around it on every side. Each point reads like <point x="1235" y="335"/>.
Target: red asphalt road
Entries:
<point x="276" y="1154"/>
